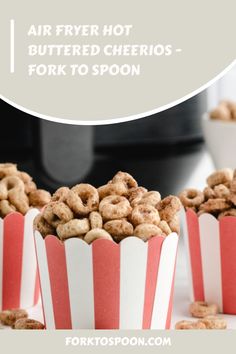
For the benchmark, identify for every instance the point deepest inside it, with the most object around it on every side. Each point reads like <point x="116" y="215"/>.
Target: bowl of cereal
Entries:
<point x="219" y="129"/>
<point x="209" y="225"/>
<point x="107" y="255"/>
<point x="20" y="201"/>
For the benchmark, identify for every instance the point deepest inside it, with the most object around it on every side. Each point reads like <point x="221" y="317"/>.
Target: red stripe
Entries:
<point x="228" y="263"/>
<point x="169" y="314"/>
<point x="36" y="288"/>
<point x="59" y="282"/>
<point x="106" y="274"/>
<point x="153" y="258"/>
<point x="195" y="254"/>
<point x="13" y="238"/>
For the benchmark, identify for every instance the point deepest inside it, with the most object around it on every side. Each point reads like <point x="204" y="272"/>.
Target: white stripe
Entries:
<point x="211" y="260"/>
<point x="29" y="263"/>
<point x="184" y="231"/>
<point x="44" y="281"/>
<point x="164" y="281"/>
<point x="80" y="281"/>
<point x="1" y="260"/>
<point x="133" y="264"/>
<point x="12" y="46"/>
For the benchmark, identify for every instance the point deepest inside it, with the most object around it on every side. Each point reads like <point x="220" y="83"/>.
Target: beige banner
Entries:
<point x="93" y="62"/>
<point x="62" y="342"/>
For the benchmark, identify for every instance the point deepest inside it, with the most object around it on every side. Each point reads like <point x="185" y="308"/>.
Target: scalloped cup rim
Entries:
<point x="18" y="213"/>
<point x="102" y="239"/>
<point x="189" y="211"/>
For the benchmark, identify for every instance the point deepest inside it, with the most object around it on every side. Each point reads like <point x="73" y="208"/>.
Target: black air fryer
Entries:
<point x="160" y="150"/>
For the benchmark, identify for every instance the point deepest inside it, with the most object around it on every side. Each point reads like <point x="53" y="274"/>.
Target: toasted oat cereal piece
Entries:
<point x="95" y="234"/>
<point x="213" y="322"/>
<point x="202" y="309"/>
<point x="189" y="325"/>
<point x="119" y="229"/>
<point x="95" y="220"/>
<point x="169" y="207"/>
<point x="209" y="193"/>
<point x="221" y="191"/>
<point x="144" y="213"/>
<point x="73" y="228"/>
<point x="220" y="177"/>
<point x="229" y="212"/>
<point x="222" y="112"/>
<point x="191" y="197"/>
<point x="146" y="231"/>
<point x="28" y="323"/>
<point x="215" y="205"/>
<point x="9" y="317"/>
<point x="163" y="225"/>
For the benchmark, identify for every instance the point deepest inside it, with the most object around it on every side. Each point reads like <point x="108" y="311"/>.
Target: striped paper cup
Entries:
<point x="19" y="284"/>
<point x="211" y="254"/>
<point x="107" y="285"/>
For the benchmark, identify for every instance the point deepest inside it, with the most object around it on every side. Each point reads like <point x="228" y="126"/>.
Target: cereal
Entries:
<point x="27" y="323"/>
<point x="119" y="229"/>
<point x="163" y="225"/>
<point x="213" y="322"/>
<point x="18" y="192"/>
<point x="7" y="169"/>
<point x="126" y="178"/>
<point x="214" y="205"/>
<point x="56" y="213"/>
<point x="61" y="194"/>
<point x="73" y="228"/>
<point x="118" y="188"/>
<point x="189" y="325"/>
<point x="136" y="192"/>
<point x="169" y="207"/>
<point x="221" y="191"/>
<point x="144" y="213"/>
<point x="220" y="177"/>
<point x="95" y="234"/>
<point x="114" y="207"/>
<point x="39" y="197"/>
<point x="208" y="193"/>
<point x="226" y="111"/>
<point x="150" y="198"/>
<point x="201" y="309"/>
<point x="82" y="199"/>
<point x="6" y="208"/>
<point x="146" y="231"/>
<point x="9" y="317"/>
<point x="191" y="197"/>
<point x="229" y="212"/>
<point x="114" y="211"/>
<point x="42" y="226"/>
<point x="95" y="220"/>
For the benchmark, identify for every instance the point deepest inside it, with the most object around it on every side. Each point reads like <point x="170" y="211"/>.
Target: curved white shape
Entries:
<point x="123" y="119"/>
<point x="164" y="281"/>
<point x="44" y="280"/>
<point x="133" y="265"/>
<point x="29" y="262"/>
<point x="80" y="281"/>
<point x="211" y="258"/>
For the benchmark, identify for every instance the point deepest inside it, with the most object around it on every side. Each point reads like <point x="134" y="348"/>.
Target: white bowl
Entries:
<point x="220" y="138"/>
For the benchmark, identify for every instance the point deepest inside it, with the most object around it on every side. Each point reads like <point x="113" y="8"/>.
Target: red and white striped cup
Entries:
<point x="107" y="285"/>
<point x="19" y="283"/>
<point x="211" y="254"/>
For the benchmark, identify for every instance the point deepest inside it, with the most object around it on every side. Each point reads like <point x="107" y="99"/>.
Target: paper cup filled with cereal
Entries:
<point x="20" y="201"/>
<point x="219" y="128"/>
<point x="210" y="235"/>
<point x="107" y="256"/>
